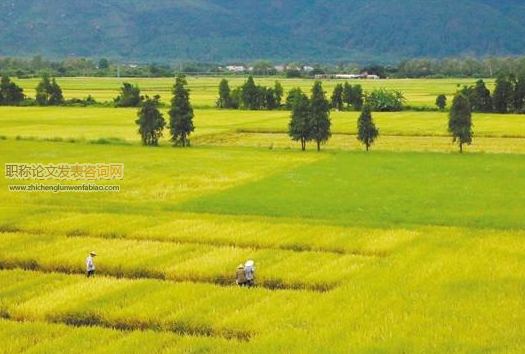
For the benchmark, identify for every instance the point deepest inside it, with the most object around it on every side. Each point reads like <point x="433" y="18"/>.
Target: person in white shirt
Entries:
<point x="90" y="265"/>
<point x="249" y="273"/>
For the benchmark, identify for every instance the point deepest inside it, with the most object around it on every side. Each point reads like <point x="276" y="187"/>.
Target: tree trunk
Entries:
<point x="367" y="146"/>
<point x="303" y="144"/>
<point x="460" y="148"/>
<point x="318" y="145"/>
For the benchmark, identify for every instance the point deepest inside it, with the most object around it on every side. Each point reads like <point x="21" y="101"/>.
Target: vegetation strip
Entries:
<point x="92" y="320"/>
<point x="269" y="284"/>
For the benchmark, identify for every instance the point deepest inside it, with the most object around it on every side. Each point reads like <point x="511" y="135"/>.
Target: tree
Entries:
<point x="337" y="97"/>
<point x="269" y="98"/>
<point x="292" y="96"/>
<point x="43" y="91"/>
<point x="503" y="95"/>
<point x="48" y="92"/>
<point x="278" y="89"/>
<point x="225" y="100"/>
<point x="181" y="113"/>
<point x="150" y="121"/>
<point x="357" y="97"/>
<point x="441" y="102"/>
<point x="519" y="94"/>
<point x="319" y="115"/>
<point x="460" y="120"/>
<point x="299" y="128"/>
<point x="55" y="96"/>
<point x="236" y="98"/>
<point x="103" y="64"/>
<point x="129" y="96"/>
<point x="250" y="94"/>
<point x="10" y="93"/>
<point x="384" y="100"/>
<point x="353" y="96"/>
<point x="347" y="94"/>
<point x="480" y="100"/>
<point x="293" y="73"/>
<point x="366" y="129"/>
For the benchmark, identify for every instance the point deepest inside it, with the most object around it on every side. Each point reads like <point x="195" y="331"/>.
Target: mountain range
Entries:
<point x="279" y="30"/>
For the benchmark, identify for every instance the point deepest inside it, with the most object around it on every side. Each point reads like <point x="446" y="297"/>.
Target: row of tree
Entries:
<point x="508" y="96"/>
<point x="344" y="97"/>
<point x="461" y="67"/>
<point x="249" y="96"/>
<point x="151" y="121"/>
<point x="351" y="96"/>
<point x="310" y="119"/>
<point x="465" y="67"/>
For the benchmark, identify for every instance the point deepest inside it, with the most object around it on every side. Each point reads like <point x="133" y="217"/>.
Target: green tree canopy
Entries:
<point x="384" y="100"/>
<point x="48" y="92"/>
<point x="319" y="115"/>
<point x="10" y="93"/>
<point x="503" y="95"/>
<point x="347" y="94"/>
<point x="357" y="97"/>
<point x="181" y="113"/>
<point x="441" y="102"/>
<point x="129" y="96"/>
<point x="366" y="129"/>
<point x="250" y="95"/>
<point x="337" y="97"/>
<point x="225" y="100"/>
<point x="279" y="91"/>
<point x="481" y="100"/>
<point x="519" y="94"/>
<point x="55" y="97"/>
<point x="300" y="128"/>
<point x="150" y="121"/>
<point x="460" y="120"/>
<point x="103" y="64"/>
<point x="292" y="96"/>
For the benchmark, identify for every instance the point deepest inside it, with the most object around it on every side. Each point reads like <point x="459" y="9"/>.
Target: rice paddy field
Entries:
<point x="418" y="92"/>
<point x="410" y="248"/>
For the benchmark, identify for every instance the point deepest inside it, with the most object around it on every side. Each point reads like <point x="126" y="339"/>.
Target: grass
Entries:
<point x="392" y="251"/>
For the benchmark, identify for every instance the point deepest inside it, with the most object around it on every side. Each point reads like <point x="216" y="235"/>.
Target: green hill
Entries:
<point x="282" y="30"/>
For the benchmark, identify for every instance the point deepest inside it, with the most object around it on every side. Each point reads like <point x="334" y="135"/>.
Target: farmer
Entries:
<point x="240" y="277"/>
<point x="90" y="265"/>
<point x="249" y="273"/>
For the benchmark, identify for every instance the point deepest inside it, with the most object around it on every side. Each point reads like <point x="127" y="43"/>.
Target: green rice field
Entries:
<point x="409" y="248"/>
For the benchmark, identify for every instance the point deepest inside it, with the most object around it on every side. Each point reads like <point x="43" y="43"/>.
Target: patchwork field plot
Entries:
<point x="400" y="250"/>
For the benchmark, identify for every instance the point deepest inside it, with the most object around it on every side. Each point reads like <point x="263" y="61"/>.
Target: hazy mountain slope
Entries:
<point x="225" y="30"/>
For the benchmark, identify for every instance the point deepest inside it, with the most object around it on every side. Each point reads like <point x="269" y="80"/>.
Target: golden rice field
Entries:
<point x="410" y="248"/>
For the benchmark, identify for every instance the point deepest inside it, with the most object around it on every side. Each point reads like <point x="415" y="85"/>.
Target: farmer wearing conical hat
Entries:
<point x="90" y="265"/>
<point x="240" y="278"/>
<point x="249" y="273"/>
